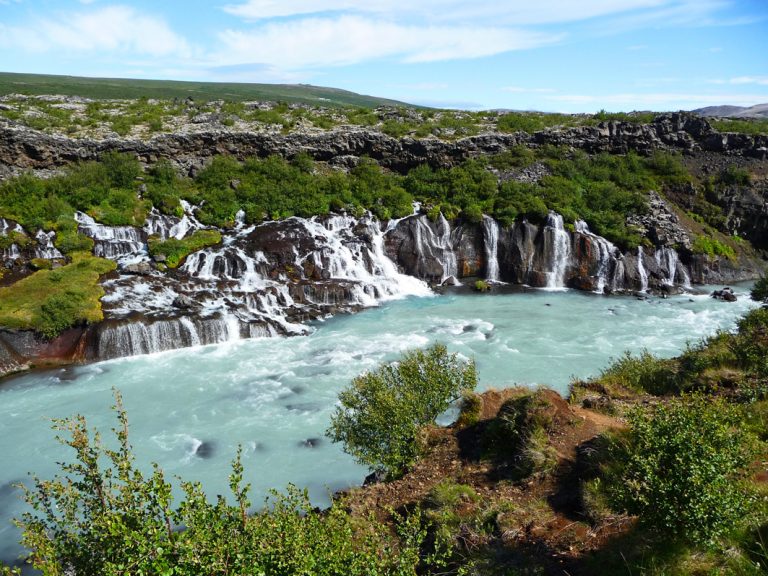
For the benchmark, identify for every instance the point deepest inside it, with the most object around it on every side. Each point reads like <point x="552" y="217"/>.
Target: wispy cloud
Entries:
<point x="112" y="28"/>
<point x="739" y="80"/>
<point x="346" y="40"/>
<point x="517" y="13"/>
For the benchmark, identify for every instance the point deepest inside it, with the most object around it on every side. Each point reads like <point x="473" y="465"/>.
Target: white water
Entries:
<point x="668" y="261"/>
<point x="491" y="241"/>
<point x="606" y="254"/>
<point x="559" y="248"/>
<point x="271" y="394"/>
<point x="641" y="270"/>
<point x="113" y="242"/>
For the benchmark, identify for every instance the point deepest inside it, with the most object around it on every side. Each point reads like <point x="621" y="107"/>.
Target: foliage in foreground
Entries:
<point x="760" y="290"/>
<point x="683" y="469"/>
<point x="382" y="415"/>
<point x="50" y="301"/>
<point x="103" y="516"/>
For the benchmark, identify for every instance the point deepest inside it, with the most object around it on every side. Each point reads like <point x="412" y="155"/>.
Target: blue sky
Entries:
<point x="554" y="55"/>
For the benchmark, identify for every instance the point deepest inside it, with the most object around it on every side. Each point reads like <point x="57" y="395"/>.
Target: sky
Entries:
<point x="550" y="55"/>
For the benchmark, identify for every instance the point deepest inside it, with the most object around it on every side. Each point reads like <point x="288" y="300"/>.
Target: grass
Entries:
<point x="49" y="301"/>
<point x="756" y="126"/>
<point x="121" y="88"/>
<point x="175" y="250"/>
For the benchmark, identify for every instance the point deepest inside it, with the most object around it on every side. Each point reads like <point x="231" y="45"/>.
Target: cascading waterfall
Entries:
<point x="235" y="291"/>
<point x="133" y="338"/>
<point x="45" y="248"/>
<point x="491" y="242"/>
<point x="606" y="255"/>
<point x="433" y="243"/>
<point x="449" y="256"/>
<point x="641" y="270"/>
<point x="164" y="226"/>
<point x="668" y="261"/>
<point x="113" y="242"/>
<point x="558" y="245"/>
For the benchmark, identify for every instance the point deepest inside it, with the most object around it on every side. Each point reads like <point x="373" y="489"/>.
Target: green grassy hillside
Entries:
<point x="114" y="88"/>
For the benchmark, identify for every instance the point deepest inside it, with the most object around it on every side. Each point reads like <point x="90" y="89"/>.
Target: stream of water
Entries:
<point x="190" y="408"/>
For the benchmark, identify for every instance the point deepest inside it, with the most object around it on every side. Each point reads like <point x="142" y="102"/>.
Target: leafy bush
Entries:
<point x="103" y="515"/>
<point x="759" y="291"/>
<point x="381" y="416"/>
<point x="682" y="468"/>
<point x="735" y="175"/>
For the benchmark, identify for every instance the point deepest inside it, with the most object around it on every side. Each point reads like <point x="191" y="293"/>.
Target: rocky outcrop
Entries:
<point x="23" y="148"/>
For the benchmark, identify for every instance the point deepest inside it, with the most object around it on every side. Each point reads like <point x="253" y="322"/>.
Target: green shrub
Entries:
<point x="103" y="515"/>
<point x="682" y="469"/>
<point x="382" y="415"/>
<point x="759" y="291"/>
<point x="518" y="436"/>
<point x="176" y="250"/>
<point x="482" y="286"/>
<point x="643" y="373"/>
<point x="470" y="410"/>
<point x="733" y="175"/>
<point x="712" y="247"/>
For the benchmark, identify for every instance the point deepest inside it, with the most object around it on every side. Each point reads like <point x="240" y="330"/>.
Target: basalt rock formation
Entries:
<point x="22" y="148"/>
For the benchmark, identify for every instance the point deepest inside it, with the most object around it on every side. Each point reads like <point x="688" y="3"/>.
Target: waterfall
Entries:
<point x="558" y="244"/>
<point x="165" y="227"/>
<point x="669" y="262"/>
<point x="433" y="244"/>
<point x="449" y="256"/>
<point x="641" y="270"/>
<point x="606" y="255"/>
<point x="113" y="242"/>
<point x="145" y="336"/>
<point x="491" y="242"/>
<point x="45" y="248"/>
<point x="234" y="290"/>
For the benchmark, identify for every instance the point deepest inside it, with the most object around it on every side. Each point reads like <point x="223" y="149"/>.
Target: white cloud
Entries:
<point x="346" y="40"/>
<point x="761" y="80"/>
<point x="112" y="29"/>
<point x="758" y="80"/>
<point x="516" y="13"/>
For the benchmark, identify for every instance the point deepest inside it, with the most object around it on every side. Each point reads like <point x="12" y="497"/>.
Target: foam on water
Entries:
<point x="272" y="394"/>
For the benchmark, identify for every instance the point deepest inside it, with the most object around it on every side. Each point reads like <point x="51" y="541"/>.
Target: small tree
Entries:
<point x="760" y="290"/>
<point x="382" y="414"/>
<point x="683" y="467"/>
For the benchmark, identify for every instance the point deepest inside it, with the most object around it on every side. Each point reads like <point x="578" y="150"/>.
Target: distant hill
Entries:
<point x="115" y="88"/>
<point x="757" y="111"/>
